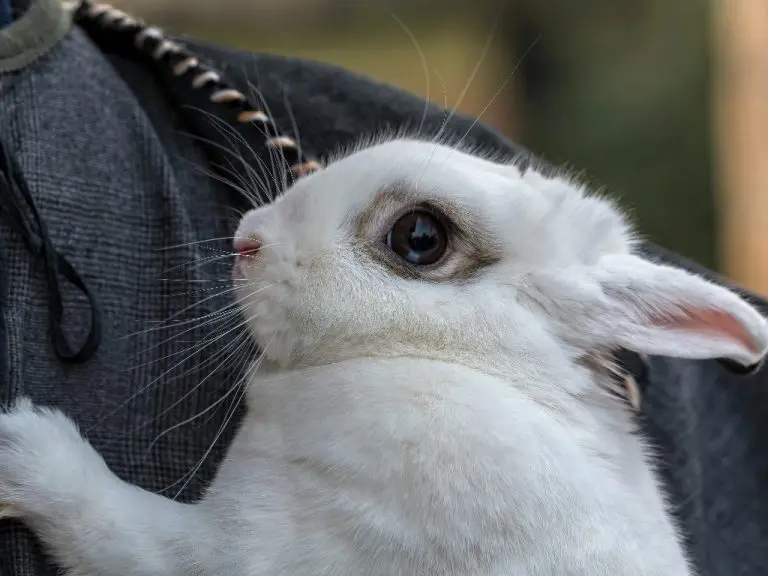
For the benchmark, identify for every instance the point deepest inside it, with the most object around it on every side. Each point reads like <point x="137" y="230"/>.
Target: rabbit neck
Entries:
<point x="436" y="467"/>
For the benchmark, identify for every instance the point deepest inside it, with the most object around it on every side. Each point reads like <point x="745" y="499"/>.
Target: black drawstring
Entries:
<point x="14" y="192"/>
<point x="198" y="88"/>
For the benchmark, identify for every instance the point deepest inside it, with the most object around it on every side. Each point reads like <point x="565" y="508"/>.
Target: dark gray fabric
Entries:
<point x="116" y="184"/>
<point x="119" y="182"/>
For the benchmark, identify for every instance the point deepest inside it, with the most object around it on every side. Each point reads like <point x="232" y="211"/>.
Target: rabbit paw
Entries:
<point x="47" y="470"/>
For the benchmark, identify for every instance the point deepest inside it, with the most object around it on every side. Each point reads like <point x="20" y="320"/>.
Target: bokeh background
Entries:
<point x="663" y="103"/>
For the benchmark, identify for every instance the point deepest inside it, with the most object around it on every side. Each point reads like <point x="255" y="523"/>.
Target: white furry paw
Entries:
<point x="47" y="470"/>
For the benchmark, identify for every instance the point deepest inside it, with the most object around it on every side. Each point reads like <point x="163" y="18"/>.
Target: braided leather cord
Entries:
<point x="240" y="131"/>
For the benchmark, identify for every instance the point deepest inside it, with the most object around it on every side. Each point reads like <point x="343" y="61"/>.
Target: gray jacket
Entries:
<point x="118" y="177"/>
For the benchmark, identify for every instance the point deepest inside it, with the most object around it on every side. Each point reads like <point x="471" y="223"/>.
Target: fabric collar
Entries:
<point x="38" y="26"/>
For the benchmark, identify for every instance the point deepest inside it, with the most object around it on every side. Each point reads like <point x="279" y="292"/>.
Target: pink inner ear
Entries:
<point x="712" y="321"/>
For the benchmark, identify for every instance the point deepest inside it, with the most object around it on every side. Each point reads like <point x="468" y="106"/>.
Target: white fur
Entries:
<point x="404" y="427"/>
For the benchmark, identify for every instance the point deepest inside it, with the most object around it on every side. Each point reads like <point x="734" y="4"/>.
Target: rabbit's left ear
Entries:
<point x="657" y="309"/>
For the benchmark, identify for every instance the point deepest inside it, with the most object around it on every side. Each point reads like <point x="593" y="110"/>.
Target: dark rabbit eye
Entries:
<point x="418" y="237"/>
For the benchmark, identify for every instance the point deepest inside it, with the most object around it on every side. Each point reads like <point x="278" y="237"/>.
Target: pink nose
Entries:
<point x="248" y="247"/>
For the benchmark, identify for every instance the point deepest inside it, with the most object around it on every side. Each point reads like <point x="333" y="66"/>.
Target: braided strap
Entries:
<point x="231" y="129"/>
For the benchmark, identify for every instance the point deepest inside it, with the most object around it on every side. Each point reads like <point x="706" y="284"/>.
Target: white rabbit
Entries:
<point x="429" y="403"/>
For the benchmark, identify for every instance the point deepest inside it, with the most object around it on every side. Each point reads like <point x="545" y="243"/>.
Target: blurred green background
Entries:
<point x="618" y="89"/>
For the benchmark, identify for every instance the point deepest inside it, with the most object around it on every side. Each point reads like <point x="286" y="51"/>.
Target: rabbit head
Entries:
<point x="412" y="248"/>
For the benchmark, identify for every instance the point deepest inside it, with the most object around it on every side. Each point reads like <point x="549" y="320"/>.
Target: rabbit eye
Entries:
<point x="419" y="237"/>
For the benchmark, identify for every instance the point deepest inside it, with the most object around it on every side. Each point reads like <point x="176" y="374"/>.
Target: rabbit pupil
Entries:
<point x="418" y="237"/>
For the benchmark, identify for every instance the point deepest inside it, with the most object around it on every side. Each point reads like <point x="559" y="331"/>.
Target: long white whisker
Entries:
<point x="194" y="304"/>
<point x="276" y="159"/>
<point x="231" y="352"/>
<point x="195" y="280"/>
<point x="493" y="98"/>
<point x="238" y="183"/>
<point x="164" y="325"/>
<point x="425" y="68"/>
<point x="209" y="259"/>
<point x="475" y="70"/>
<point x="201" y="262"/>
<point x="248" y="190"/>
<point x="227" y="419"/>
<point x="256" y="180"/>
<point x="231" y="324"/>
<point x="154" y="382"/>
<point x="228" y="317"/>
<point x="201" y="347"/>
<point x="220" y="291"/>
<point x="255" y="176"/>
<point x="225" y="319"/>
<point x="296" y="137"/>
<point x="194" y="243"/>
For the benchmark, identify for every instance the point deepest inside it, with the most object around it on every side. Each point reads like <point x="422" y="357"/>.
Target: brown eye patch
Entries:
<point x="456" y="236"/>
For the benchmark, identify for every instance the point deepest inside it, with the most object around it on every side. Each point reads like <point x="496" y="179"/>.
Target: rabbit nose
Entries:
<point x="248" y="247"/>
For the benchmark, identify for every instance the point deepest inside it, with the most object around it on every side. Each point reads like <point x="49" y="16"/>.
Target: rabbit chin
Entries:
<point x="273" y="299"/>
<point x="263" y="315"/>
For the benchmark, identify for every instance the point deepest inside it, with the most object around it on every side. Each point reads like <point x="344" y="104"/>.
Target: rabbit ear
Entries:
<point x="656" y="309"/>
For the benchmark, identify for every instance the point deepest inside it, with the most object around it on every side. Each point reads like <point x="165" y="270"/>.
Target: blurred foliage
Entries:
<point x="618" y="89"/>
<point x="621" y="89"/>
